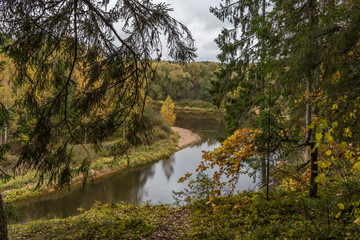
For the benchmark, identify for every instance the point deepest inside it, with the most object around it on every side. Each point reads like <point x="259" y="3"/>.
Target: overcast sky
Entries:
<point x="204" y="26"/>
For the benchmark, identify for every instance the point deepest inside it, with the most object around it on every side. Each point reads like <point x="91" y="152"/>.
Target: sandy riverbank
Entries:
<point x="187" y="137"/>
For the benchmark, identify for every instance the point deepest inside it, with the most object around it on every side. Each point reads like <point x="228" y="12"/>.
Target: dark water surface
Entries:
<point x="154" y="182"/>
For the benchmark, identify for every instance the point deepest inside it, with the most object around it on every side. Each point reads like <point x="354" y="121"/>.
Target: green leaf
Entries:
<point x="328" y="138"/>
<point x="316" y="146"/>
<point x="312" y="125"/>
<point x="323" y="123"/>
<point x="320" y="178"/>
<point x="318" y="136"/>
<point x="343" y="146"/>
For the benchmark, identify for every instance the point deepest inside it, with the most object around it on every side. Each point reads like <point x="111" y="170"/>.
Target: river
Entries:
<point x="150" y="183"/>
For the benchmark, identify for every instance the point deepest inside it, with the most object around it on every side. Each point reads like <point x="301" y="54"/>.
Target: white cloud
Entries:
<point x="204" y="26"/>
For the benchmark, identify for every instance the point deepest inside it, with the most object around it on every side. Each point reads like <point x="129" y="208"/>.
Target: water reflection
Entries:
<point x="168" y="166"/>
<point x="154" y="182"/>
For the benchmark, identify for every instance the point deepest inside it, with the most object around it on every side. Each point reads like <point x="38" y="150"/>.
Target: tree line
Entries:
<point x="191" y="81"/>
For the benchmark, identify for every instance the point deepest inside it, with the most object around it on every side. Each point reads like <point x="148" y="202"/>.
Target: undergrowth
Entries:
<point x="248" y="215"/>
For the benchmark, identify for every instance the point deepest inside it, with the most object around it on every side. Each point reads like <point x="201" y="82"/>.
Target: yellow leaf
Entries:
<point x="318" y="136"/>
<point x="324" y="165"/>
<point x="343" y="146"/>
<point x="341" y="206"/>
<point x="328" y="152"/>
<point x="320" y="178"/>
<point x="338" y="215"/>
<point x="356" y="166"/>
<point x="357" y="221"/>
<point x="328" y="137"/>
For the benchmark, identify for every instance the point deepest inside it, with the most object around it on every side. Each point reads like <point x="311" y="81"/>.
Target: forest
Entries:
<point x="183" y="82"/>
<point x="82" y="99"/>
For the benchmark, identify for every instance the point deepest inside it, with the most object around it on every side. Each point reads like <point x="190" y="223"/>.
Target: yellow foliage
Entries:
<point x="341" y="206"/>
<point x="229" y="158"/>
<point x="167" y="111"/>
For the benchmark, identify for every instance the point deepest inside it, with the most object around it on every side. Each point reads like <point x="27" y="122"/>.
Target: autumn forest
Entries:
<point x="102" y="137"/>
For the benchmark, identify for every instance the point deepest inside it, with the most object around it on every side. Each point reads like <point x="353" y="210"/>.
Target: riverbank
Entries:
<point x="288" y="215"/>
<point x="197" y="106"/>
<point x="22" y="188"/>
<point x="187" y="137"/>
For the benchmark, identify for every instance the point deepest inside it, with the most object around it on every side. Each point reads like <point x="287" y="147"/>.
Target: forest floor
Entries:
<point x="288" y="215"/>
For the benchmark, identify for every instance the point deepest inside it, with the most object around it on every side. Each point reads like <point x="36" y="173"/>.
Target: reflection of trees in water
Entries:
<point x="198" y="144"/>
<point x="136" y="186"/>
<point x="207" y="128"/>
<point x="212" y="141"/>
<point x="127" y="187"/>
<point x="168" y="166"/>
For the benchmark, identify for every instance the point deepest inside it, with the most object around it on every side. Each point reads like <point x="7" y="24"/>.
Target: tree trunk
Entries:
<point x="85" y="135"/>
<point x="268" y="155"/>
<point x="3" y="226"/>
<point x="264" y="177"/>
<point x="311" y="87"/>
<point x="124" y="130"/>
<point x="314" y="173"/>
<point x="263" y="171"/>
<point x="5" y="134"/>
<point x="307" y="115"/>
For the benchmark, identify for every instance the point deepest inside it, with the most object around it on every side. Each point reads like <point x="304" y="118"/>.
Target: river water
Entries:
<point x="154" y="182"/>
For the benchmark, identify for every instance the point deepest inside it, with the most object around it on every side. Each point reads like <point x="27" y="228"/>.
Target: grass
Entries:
<point x="110" y="221"/>
<point x="288" y="215"/>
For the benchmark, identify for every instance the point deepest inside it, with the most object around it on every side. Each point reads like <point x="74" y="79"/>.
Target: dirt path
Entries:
<point x="175" y="225"/>
<point x="187" y="137"/>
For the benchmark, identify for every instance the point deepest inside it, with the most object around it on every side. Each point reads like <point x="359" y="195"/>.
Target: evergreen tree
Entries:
<point x="49" y="40"/>
<point x="4" y="119"/>
<point x="280" y="60"/>
<point x="243" y="51"/>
